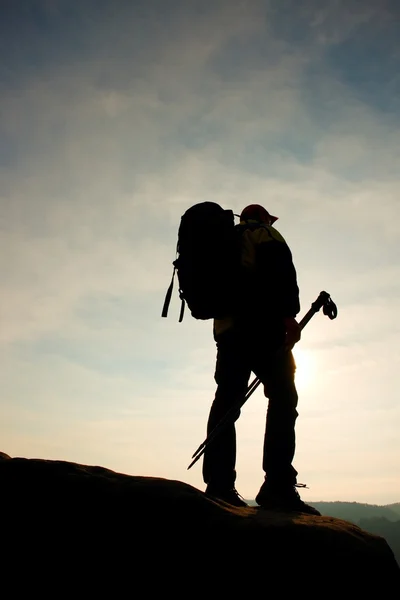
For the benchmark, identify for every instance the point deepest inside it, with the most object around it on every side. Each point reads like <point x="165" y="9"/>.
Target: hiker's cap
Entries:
<point x="255" y="212"/>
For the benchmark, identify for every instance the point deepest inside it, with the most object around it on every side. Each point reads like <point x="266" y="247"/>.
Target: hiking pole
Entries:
<point x="329" y="309"/>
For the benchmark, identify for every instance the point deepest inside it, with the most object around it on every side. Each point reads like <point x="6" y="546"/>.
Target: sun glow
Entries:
<point x="306" y="367"/>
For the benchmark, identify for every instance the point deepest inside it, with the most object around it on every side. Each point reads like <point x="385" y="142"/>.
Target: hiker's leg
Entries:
<point x="231" y="375"/>
<point x="279" y="438"/>
<point x="278" y="490"/>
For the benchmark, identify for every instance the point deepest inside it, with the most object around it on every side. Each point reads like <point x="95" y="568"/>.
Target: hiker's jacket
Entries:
<point x="267" y="289"/>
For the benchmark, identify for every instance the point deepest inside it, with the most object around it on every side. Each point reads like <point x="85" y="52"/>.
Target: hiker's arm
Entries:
<point x="290" y="298"/>
<point x="293" y="332"/>
<point x="290" y="289"/>
<point x="281" y="279"/>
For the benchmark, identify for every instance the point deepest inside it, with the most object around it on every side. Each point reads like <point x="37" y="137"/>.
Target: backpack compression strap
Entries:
<point x="182" y="310"/>
<point x="168" y="296"/>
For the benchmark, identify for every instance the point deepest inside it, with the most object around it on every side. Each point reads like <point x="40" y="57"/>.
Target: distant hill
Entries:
<point x="395" y="507"/>
<point x="354" y="511"/>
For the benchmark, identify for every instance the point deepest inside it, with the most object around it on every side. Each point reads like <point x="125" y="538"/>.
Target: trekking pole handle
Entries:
<point x="329" y="308"/>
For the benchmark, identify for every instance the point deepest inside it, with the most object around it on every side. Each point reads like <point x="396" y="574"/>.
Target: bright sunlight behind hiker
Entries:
<point x="306" y="367"/>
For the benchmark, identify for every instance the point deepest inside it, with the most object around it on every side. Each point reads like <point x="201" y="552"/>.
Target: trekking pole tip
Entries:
<point x="194" y="461"/>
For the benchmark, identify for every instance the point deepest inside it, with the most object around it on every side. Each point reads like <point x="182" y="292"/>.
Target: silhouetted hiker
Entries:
<point x="259" y="338"/>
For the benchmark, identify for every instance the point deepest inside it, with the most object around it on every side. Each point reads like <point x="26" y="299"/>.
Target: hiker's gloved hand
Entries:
<point x="293" y="332"/>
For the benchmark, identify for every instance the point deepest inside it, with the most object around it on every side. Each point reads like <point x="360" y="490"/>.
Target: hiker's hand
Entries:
<point x="293" y="332"/>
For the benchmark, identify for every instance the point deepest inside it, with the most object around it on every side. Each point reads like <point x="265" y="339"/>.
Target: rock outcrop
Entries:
<point x="169" y="537"/>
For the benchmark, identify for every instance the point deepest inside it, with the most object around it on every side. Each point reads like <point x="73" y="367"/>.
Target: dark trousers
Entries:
<point x="238" y="355"/>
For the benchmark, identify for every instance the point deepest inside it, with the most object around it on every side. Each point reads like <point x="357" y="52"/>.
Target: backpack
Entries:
<point x="207" y="263"/>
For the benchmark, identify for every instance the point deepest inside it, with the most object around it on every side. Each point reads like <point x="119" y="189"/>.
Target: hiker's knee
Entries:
<point x="282" y="394"/>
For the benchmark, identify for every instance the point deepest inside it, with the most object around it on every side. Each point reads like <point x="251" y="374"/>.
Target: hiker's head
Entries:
<point x="257" y="213"/>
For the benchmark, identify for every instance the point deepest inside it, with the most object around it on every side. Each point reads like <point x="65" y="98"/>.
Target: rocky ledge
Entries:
<point x="92" y="525"/>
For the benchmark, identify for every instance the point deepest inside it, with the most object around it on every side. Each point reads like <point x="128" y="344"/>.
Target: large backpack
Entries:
<point x="207" y="262"/>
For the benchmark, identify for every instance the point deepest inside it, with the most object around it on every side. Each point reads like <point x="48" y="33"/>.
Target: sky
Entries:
<point x="115" y="118"/>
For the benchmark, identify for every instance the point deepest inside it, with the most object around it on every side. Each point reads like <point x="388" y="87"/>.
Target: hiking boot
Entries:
<point x="228" y="495"/>
<point x="286" y="499"/>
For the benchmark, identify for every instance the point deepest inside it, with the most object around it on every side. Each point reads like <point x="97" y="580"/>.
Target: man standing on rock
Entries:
<point x="259" y="338"/>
